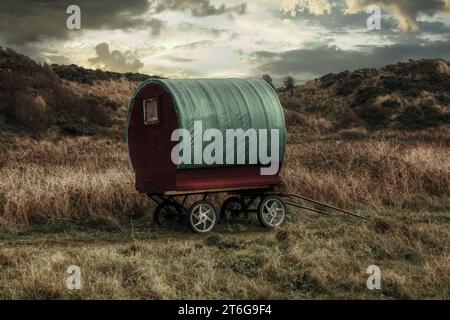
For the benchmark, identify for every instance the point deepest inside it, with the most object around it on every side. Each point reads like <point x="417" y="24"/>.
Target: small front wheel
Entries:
<point x="272" y="212"/>
<point x="233" y="208"/>
<point x="167" y="214"/>
<point x="202" y="217"/>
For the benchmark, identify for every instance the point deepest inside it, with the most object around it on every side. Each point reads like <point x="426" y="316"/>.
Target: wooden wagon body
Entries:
<point x="219" y="103"/>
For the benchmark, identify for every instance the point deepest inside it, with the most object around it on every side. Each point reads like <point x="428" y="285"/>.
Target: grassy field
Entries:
<point x="311" y="258"/>
<point x="72" y="201"/>
<point x="376" y="142"/>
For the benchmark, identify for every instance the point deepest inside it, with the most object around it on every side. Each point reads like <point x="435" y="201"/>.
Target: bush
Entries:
<point x="347" y="120"/>
<point x="32" y="112"/>
<point x="375" y="117"/>
<point x="391" y="104"/>
<point x="422" y="117"/>
<point x="365" y="95"/>
<point x="347" y="88"/>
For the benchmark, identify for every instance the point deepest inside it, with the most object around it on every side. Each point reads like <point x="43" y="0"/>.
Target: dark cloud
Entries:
<point x="406" y="12"/>
<point x="338" y="21"/>
<point x="341" y="13"/>
<point x="114" y="60"/>
<point x="24" y="21"/>
<point x="156" y="25"/>
<point x="323" y="59"/>
<point x="199" y="8"/>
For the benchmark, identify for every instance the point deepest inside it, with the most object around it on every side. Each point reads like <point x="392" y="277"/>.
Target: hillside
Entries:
<point x="412" y="95"/>
<point x="67" y="100"/>
<point x="72" y="100"/>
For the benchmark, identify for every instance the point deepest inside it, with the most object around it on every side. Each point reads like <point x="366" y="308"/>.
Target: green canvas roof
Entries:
<point x="224" y="104"/>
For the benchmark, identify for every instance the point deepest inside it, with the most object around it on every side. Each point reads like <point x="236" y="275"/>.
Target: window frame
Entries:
<point x="158" y="118"/>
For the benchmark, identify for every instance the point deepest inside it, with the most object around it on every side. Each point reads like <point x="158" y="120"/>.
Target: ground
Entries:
<point x="72" y="202"/>
<point x="312" y="257"/>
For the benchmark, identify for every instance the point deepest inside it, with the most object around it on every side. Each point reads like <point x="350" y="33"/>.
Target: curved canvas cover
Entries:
<point x="224" y="104"/>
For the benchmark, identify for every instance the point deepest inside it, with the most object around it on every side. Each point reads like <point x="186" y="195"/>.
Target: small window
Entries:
<point x="151" y="111"/>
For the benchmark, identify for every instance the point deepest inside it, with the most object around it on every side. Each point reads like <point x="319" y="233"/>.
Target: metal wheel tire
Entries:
<point x="202" y="217"/>
<point x="166" y="214"/>
<point x="233" y="208"/>
<point x="272" y="212"/>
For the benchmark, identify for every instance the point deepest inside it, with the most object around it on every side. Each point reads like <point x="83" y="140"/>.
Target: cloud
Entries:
<point x="178" y="59"/>
<point x="114" y="60"/>
<point x="405" y="12"/>
<point x="191" y="27"/>
<point x="199" y="8"/>
<point x="23" y="21"/>
<point x="315" y="7"/>
<point x="58" y="59"/>
<point x="155" y="25"/>
<point x="195" y="45"/>
<point x="324" y="59"/>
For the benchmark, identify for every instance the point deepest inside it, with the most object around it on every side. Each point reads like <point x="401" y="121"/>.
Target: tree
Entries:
<point x="267" y="78"/>
<point x="289" y="84"/>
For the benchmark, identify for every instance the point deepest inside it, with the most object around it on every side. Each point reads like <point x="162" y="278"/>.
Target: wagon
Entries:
<point x="164" y="113"/>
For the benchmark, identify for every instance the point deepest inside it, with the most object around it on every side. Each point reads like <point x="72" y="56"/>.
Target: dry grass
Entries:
<point x="89" y="178"/>
<point x="71" y="191"/>
<point x="119" y="91"/>
<point x="311" y="258"/>
<point x="371" y="174"/>
<point x="73" y="178"/>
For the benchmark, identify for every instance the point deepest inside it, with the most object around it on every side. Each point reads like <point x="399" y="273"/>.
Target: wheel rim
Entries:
<point x="203" y="218"/>
<point x="273" y="212"/>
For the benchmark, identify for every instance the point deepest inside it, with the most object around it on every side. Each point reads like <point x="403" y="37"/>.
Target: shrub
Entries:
<point x="31" y="111"/>
<point x="347" y="88"/>
<point x="365" y="95"/>
<point x="391" y="104"/>
<point x="375" y="117"/>
<point x="347" y="120"/>
<point x="422" y="117"/>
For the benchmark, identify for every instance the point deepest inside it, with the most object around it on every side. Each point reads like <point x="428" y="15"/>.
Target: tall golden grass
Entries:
<point x="88" y="178"/>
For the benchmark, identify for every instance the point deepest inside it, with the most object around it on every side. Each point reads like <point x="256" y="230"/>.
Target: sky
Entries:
<point x="227" y="38"/>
